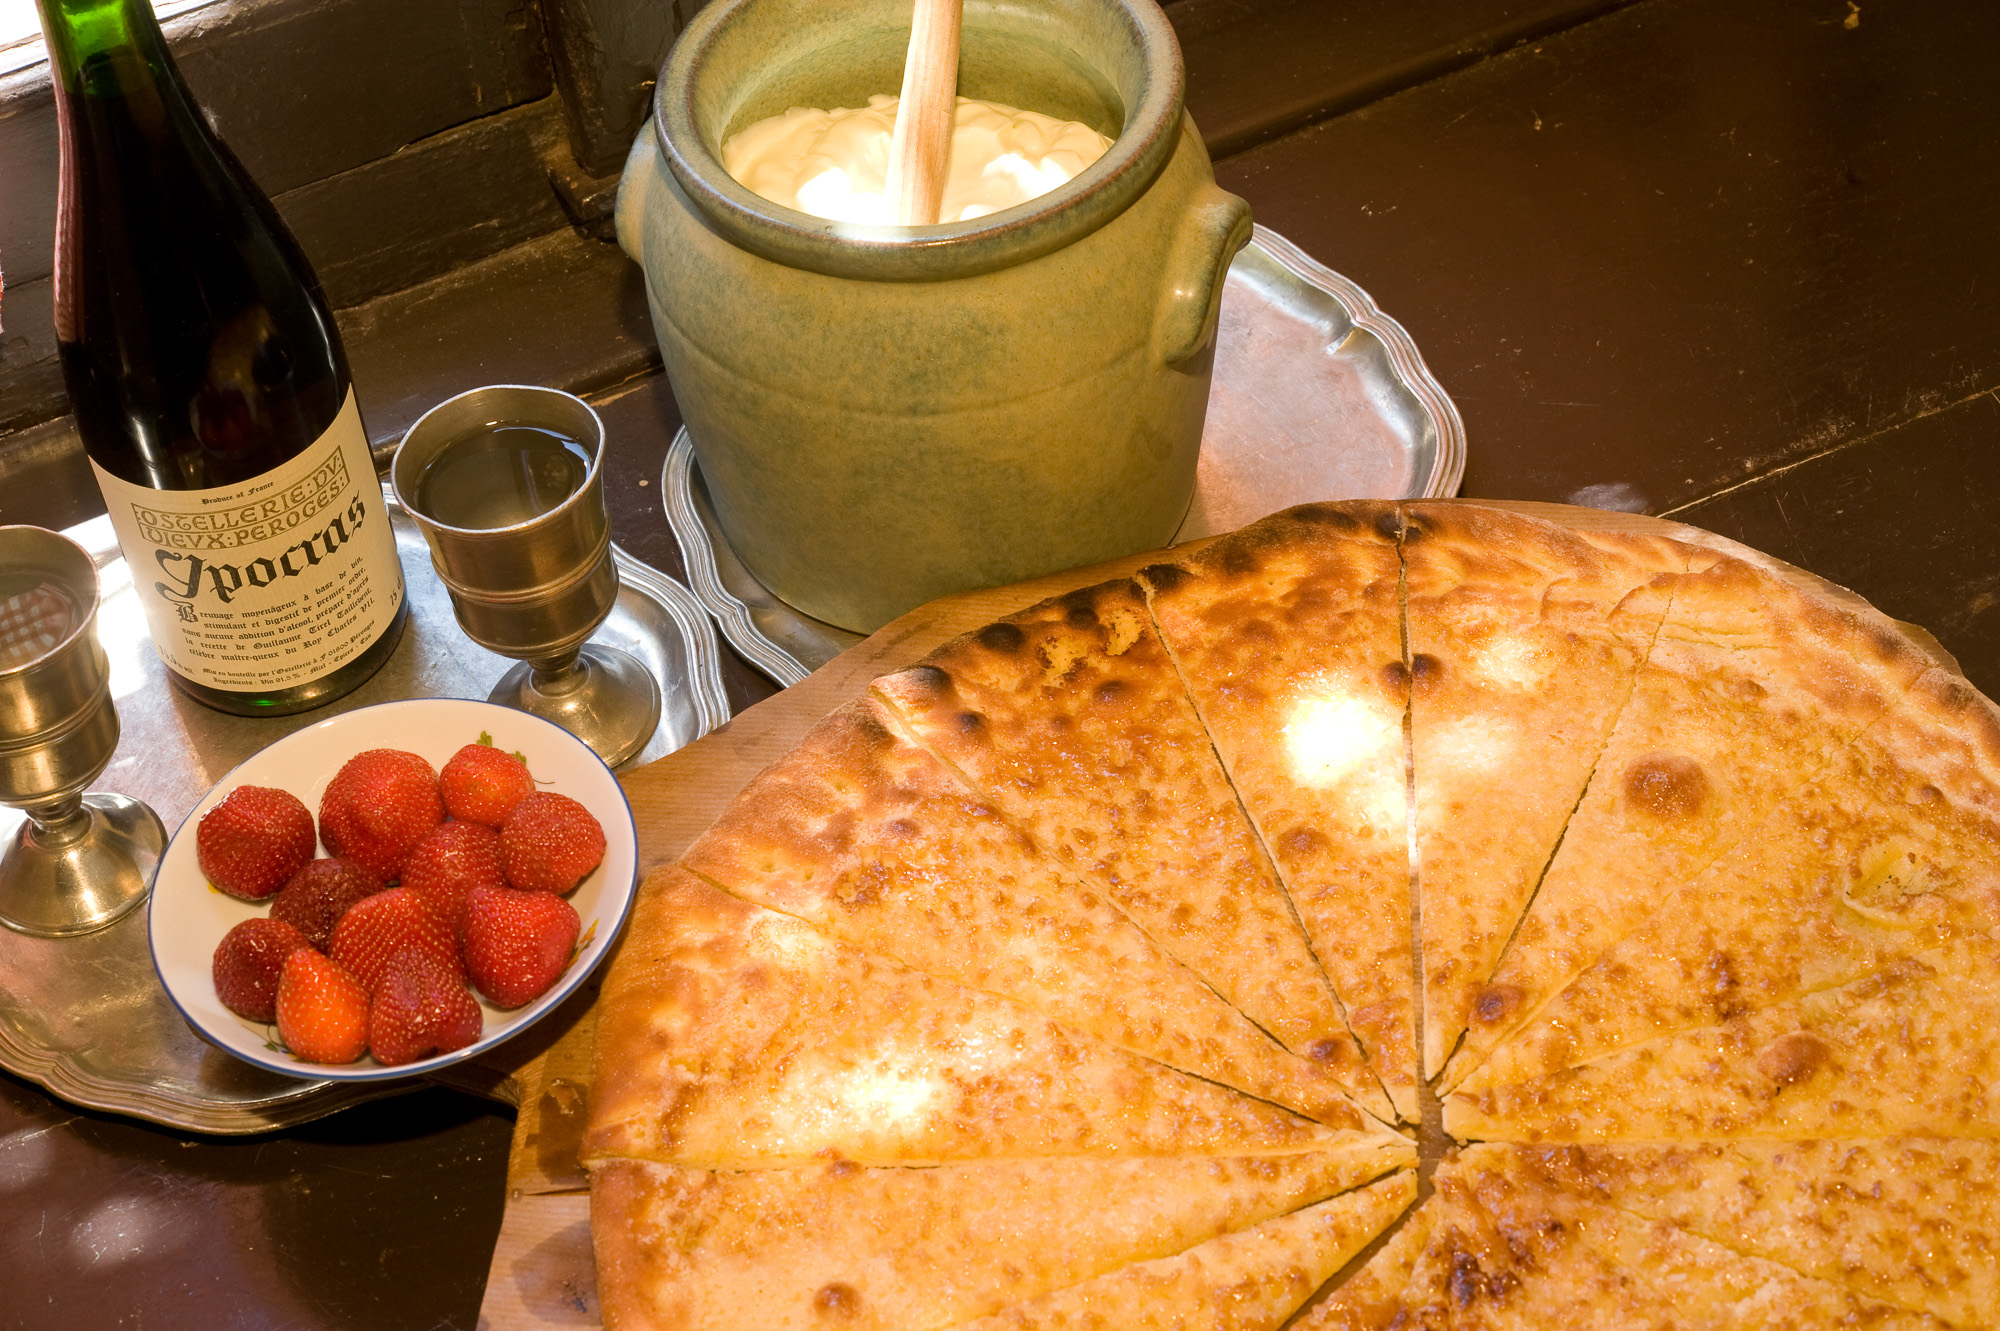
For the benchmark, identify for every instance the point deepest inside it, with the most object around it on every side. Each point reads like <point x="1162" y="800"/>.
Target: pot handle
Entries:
<point x="641" y="165"/>
<point x="1216" y="226"/>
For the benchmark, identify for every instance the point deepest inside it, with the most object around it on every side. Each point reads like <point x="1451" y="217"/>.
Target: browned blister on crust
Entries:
<point x="876" y="843"/>
<point x="1751" y="687"/>
<point x="888" y="1248"/>
<point x="1070" y="719"/>
<point x="733" y="1036"/>
<point x="1289" y="636"/>
<point x="1524" y="638"/>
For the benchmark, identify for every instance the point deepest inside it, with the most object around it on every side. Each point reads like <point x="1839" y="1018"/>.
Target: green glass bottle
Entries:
<point x="210" y="387"/>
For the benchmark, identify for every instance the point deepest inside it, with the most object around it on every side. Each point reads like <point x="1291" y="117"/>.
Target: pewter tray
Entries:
<point x="1317" y="395"/>
<point x="86" y="1017"/>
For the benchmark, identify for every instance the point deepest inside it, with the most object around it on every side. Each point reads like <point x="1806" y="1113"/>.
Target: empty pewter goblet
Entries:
<point x="506" y="483"/>
<point x="77" y="862"/>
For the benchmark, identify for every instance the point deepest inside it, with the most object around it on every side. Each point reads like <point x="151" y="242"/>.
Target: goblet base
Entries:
<point x="607" y="699"/>
<point x="78" y="876"/>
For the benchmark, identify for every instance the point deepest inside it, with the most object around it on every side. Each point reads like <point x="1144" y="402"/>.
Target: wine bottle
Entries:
<point x="210" y="387"/>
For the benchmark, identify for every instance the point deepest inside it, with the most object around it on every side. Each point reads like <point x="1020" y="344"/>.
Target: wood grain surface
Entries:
<point x="542" y="1274"/>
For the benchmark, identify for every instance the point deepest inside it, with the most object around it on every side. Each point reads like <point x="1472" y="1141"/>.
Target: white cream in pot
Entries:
<point x="834" y="164"/>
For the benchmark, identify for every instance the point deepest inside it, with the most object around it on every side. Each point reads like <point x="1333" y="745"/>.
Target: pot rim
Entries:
<point x="949" y="249"/>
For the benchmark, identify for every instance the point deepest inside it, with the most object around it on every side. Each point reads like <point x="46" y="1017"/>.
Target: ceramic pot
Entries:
<point x="884" y="416"/>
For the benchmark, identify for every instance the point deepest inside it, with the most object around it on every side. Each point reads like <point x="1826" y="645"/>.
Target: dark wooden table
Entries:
<point x="1729" y="263"/>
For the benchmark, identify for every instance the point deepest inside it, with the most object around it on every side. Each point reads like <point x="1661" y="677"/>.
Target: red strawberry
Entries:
<point x="517" y="943"/>
<point x="377" y="806"/>
<point x="446" y="864"/>
<point x="322" y="1010"/>
<point x="549" y="843"/>
<point x="376" y="928"/>
<point x="253" y="841"/>
<point x="421" y="1008"/>
<point x="482" y="784"/>
<point x="319" y="894"/>
<point x="248" y="961"/>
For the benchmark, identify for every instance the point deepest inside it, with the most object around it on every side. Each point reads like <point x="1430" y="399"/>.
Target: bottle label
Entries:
<point x="269" y="584"/>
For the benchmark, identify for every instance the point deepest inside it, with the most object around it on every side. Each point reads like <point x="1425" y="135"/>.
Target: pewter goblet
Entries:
<point x="519" y="538"/>
<point x="78" y="861"/>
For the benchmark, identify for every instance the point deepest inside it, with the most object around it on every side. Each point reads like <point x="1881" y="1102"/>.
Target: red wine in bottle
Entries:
<point x="210" y="387"/>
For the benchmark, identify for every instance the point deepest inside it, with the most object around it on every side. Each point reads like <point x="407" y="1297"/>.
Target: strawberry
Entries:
<point x="253" y="841"/>
<point x="379" y="805"/>
<point x="517" y="943"/>
<point x="319" y="894"/>
<point x="322" y="1010"/>
<point x="248" y="961"/>
<point x="376" y="928"/>
<point x="482" y="784"/>
<point x="447" y="863"/>
<point x="421" y="1008"/>
<point x="549" y="843"/>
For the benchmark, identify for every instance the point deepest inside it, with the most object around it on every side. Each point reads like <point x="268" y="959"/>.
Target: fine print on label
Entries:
<point x="268" y="584"/>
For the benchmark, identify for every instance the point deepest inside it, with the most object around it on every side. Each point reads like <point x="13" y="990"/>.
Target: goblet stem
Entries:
<point x="78" y="864"/>
<point x="603" y="696"/>
<point x="558" y="676"/>
<point x="58" y="824"/>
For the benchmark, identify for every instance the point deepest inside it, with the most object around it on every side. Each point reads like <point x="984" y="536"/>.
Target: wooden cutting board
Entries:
<point x="542" y="1274"/>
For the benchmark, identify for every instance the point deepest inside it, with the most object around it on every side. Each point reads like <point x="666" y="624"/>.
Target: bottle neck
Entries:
<point x="104" y="48"/>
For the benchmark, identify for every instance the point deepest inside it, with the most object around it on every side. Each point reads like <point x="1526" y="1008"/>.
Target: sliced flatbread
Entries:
<point x="1371" y="1298"/>
<point x="872" y="841"/>
<point x="1910" y="1222"/>
<point x="1289" y="635"/>
<point x="1070" y="719"/>
<point x="1247" y="1281"/>
<point x="1677" y="1278"/>
<point x="1891" y="850"/>
<point x="1523" y="641"/>
<point x="1750" y="687"/>
<point x="1474" y="1272"/>
<point x="731" y="1035"/>
<point x="1911" y="1051"/>
<point x="894" y="1248"/>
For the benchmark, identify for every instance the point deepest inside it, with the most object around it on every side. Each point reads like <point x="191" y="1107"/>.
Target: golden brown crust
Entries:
<point x="1744" y="669"/>
<point x="1288" y="636"/>
<point x="1070" y="719"/>
<point x="1867" y="864"/>
<point x="632" y="1291"/>
<point x="893" y="1248"/>
<point x="1370" y="1299"/>
<point x="733" y="1035"/>
<point x="875" y="843"/>
<point x="1246" y="1281"/>
<point x="1908" y="1051"/>
<point x="1906" y="1222"/>
<point x="1664" y="1275"/>
<point x="1524" y="638"/>
<point x="1523" y="1270"/>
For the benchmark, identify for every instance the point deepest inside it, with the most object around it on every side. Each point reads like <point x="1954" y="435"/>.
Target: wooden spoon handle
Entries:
<point x="920" y="149"/>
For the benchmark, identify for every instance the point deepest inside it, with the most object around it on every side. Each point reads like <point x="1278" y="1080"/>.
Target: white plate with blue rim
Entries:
<point x="188" y="917"/>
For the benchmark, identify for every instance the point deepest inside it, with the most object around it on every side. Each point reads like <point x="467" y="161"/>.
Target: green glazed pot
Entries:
<point x="884" y="416"/>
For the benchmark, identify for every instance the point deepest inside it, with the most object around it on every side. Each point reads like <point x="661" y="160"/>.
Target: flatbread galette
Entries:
<point x="1116" y="965"/>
